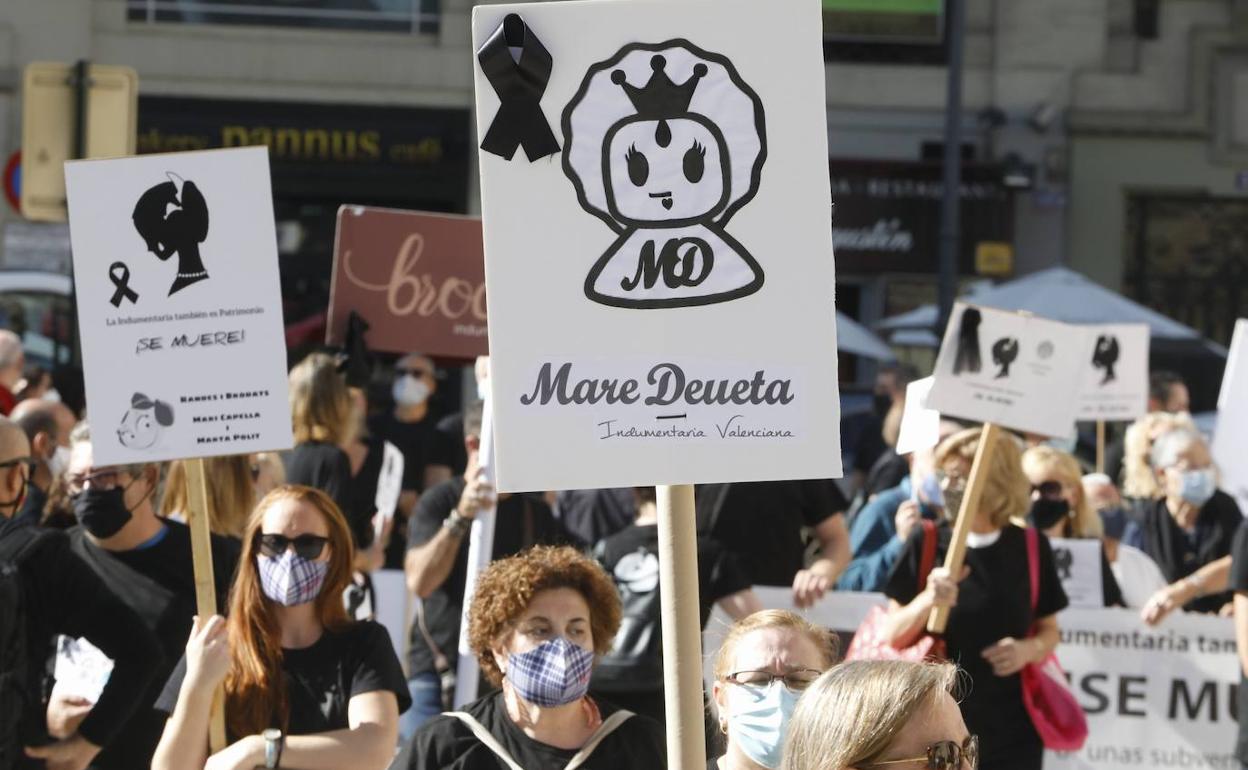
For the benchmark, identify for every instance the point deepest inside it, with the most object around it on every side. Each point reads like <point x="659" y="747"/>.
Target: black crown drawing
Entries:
<point x="660" y="98"/>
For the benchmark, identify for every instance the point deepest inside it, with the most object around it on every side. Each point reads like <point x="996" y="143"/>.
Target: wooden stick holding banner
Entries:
<point x="682" y="628"/>
<point x="198" y="518"/>
<point x="1100" y="446"/>
<point x="480" y="551"/>
<point x="939" y="617"/>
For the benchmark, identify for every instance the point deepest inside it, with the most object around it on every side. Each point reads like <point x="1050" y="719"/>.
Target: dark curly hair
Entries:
<point x="506" y="589"/>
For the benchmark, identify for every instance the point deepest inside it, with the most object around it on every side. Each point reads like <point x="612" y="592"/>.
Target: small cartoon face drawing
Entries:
<point x="666" y="172"/>
<point x="143" y="422"/>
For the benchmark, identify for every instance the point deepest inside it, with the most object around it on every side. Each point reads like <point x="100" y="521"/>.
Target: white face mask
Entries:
<point x="53" y="395"/>
<point x="58" y="463"/>
<point x="410" y="391"/>
<point x="483" y="389"/>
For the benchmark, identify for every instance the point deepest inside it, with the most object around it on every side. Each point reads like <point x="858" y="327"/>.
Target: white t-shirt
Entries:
<point x="1137" y="574"/>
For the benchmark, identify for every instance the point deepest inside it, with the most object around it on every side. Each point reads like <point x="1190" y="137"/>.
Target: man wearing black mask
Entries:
<point x="45" y="590"/>
<point x="144" y="559"/>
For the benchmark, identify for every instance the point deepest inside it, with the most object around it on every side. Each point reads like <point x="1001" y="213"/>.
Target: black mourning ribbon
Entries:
<point x="519" y="85"/>
<point x="122" y="282"/>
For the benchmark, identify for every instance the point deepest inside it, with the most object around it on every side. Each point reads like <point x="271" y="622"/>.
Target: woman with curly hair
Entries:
<point x="305" y="686"/>
<point x="537" y="624"/>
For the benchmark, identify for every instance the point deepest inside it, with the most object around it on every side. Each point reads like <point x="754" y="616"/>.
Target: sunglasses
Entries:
<point x="306" y="546"/>
<point x="1048" y="488"/>
<point x="945" y="755"/>
<point x="417" y="373"/>
<point x="797" y="680"/>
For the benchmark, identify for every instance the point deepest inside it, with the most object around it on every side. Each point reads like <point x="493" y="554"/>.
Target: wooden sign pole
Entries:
<point x="1100" y="446"/>
<point x="939" y="617"/>
<point x="205" y="586"/>
<point x="682" y="631"/>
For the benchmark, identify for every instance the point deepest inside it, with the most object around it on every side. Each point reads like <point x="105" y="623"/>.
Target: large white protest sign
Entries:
<point x="1115" y="386"/>
<point x="658" y="242"/>
<point x="1017" y="371"/>
<point x="1079" y="567"/>
<point x="1230" y="437"/>
<point x="920" y="426"/>
<point x="179" y="305"/>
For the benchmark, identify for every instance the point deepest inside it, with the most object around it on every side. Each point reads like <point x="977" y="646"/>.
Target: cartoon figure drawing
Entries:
<point x="172" y="217"/>
<point x="1004" y="351"/>
<point x="143" y="422"/>
<point x="966" y="357"/>
<point x="665" y="143"/>
<point x="1105" y="356"/>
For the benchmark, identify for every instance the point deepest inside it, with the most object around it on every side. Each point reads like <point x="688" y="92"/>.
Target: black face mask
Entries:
<point x="1046" y="512"/>
<point x="881" y="403"/>
<point x="102" y="512"/>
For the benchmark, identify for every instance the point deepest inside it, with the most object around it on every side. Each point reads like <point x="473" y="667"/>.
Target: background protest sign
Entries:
<point x="1079" y="567"/>
<point x="1230" y="437"/>
<point x="1010" y="369"/>
<point x="920" y="426"/>
<point x="658" y="243"/>
<point x="1116" y="385"/>
<point x="179" y="305"/>
<point x="417" y="279"/>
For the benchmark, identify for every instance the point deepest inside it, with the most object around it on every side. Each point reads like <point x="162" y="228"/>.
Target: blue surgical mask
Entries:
<point x="1198" y="486"/>
<point x="929" y="491"/>
<point x="555" y="673"/>
<point x="758" y="719"/>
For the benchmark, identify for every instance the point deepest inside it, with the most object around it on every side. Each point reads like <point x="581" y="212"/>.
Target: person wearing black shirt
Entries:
<point x="1239" y="584"/>
<point x="58" y="594"/>
<point x="538" y="622"/>
<point x="47" y="425"/>
<point x="304" y="684"/>
<point x="413" y="429"/>
<point x="437" y="566"/>
<point x="589" y="515"/>
<point x="146" y="561"/>
<point x="761" y="524"/>
<point x="1192" y="526"/>
<point x="322" y="418"/>
<point x="631" y="673"/>
<point x="992" y="631"/>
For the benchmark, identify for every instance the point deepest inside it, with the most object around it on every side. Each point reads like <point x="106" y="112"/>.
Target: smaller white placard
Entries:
<point x="1230" y="437"/>
<point x="920" y="426"/>
<point x="390" y="481"/>
<point x="1078" y="565"/>
<point x="81" y="669"/>
<point x="1115" y="387"/>
<point x="1019" y="371"/>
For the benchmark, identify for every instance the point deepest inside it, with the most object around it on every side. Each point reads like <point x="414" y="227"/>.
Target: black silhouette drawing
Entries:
<point x="966" y="357"/>
<point x="665" y="143"/>
<point x="143" y="422"/>
<point x="172" y="217"/>
<point x="1004" y="351"/>
<point x="1064" y="560"/>
<point x="1106" y="356"/>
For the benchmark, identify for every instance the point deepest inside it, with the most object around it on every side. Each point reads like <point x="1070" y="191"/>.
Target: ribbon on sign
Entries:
<point x="122" y="282"/>
<point x="519" y="80"/>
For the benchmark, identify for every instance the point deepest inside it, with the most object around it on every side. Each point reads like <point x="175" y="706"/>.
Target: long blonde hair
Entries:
<point x="321" y="408"/>
<point x="1006" y="489"/>
<point x="1139" y="480"/>
<point x="1047" y="461"/>
<point x="231" y="493"/>
<point x="852" y="714"/>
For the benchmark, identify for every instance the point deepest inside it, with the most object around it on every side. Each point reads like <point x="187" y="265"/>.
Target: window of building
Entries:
<point x="885" y="31"/>
<point x="406" y="16"/>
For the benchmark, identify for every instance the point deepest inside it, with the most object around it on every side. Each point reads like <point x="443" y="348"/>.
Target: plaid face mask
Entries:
<point x="554" y="673"/>
<point x="290" y="579"/>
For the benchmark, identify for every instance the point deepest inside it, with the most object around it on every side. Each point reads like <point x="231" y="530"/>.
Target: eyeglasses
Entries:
<point x="26" y="460"/>
<point x="945" y="755"/>
<point x="796" y="680"/>
<point x="77" y="482"/>
<point x="1048" y="488"/>
<point x="306" y="546"/>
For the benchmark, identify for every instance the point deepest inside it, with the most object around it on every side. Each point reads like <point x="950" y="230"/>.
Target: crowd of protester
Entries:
<point x="109" y="664"/>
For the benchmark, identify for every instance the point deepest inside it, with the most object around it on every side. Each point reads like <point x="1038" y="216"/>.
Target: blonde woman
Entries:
<point x="764" y="664"/>
<point x="993" y="632"/>
<point x="231" y="493"/>
<point x="1060" y="509"/>
<point x="1139" y="483"/>
<point x="323" y="420"/>
<point x="870" y="714"/>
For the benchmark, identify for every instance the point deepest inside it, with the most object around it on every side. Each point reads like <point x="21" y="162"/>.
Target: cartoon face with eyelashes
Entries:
<point x="666" y="173"/>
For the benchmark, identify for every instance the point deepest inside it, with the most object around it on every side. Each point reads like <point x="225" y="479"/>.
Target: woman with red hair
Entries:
<point x="305" y="686"/>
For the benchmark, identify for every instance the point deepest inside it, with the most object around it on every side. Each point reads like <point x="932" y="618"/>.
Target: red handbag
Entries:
<point x="1056" y="714"/>
<point x="869" y="642"/>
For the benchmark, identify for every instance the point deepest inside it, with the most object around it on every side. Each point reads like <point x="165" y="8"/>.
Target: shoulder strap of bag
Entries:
<point x="928" y="559"/>
<point x="608" y="726"/>
<point x="1033" y="566"/>
<point x="484" y="736"/>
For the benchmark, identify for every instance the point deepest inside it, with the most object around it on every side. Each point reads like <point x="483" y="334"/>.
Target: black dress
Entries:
<point x="994" y="602"/>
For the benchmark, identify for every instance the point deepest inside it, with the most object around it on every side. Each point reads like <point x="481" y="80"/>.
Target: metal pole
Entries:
<point x="81" y="87"/>
<point x="951" y="196"/>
